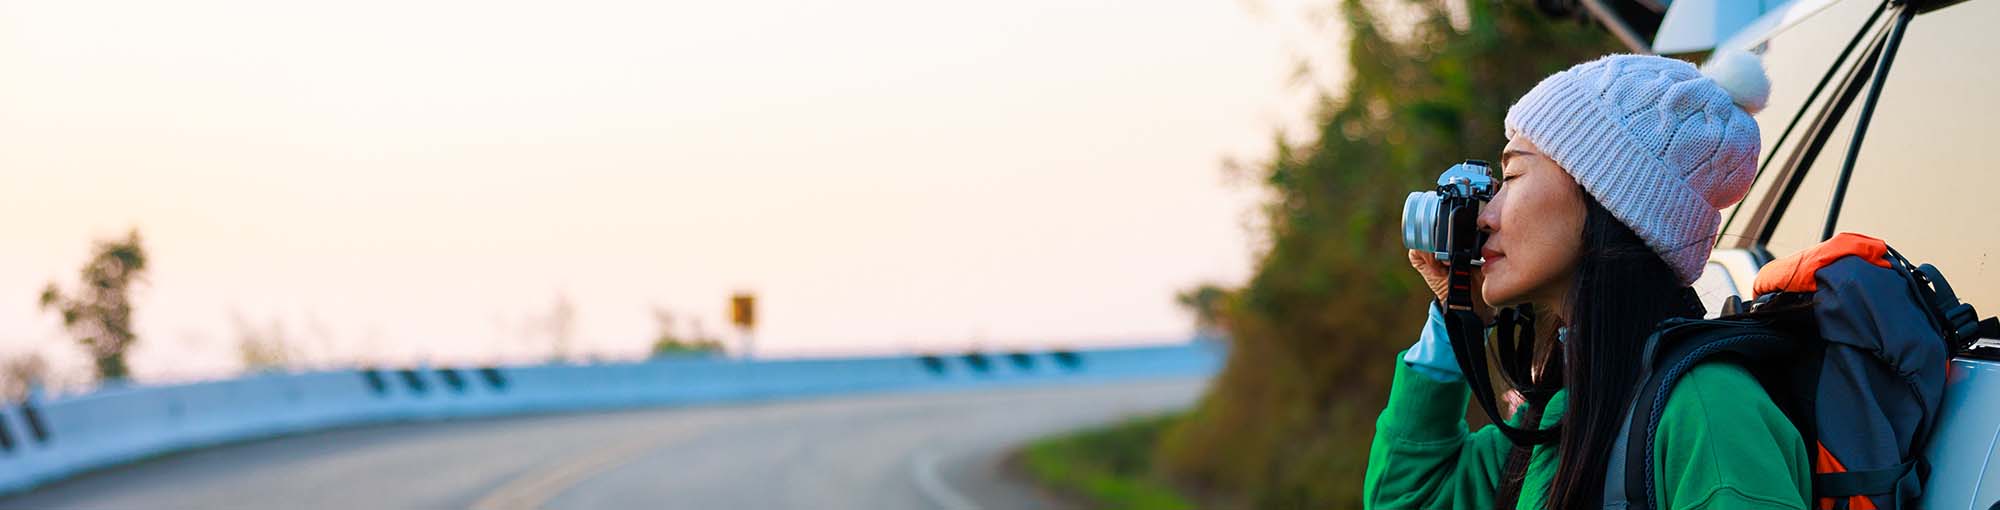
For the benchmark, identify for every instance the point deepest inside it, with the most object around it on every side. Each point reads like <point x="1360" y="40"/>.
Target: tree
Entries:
<point x="263" y="348"/>
<point x="20" y="374"/>
<point x="560" y="325"/>
<point x="1208" y="302"/>
<point x="1315" y="332"/>
<point x="99" y="312"/>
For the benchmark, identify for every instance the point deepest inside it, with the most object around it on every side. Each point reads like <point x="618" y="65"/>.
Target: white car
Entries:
<point x="1917" y="179"/>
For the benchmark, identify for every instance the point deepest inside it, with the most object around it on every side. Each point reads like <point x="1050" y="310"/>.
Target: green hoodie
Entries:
<point x="1721" y="444"/>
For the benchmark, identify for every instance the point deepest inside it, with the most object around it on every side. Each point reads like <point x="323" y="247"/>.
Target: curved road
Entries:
<point x="937" y="450"/>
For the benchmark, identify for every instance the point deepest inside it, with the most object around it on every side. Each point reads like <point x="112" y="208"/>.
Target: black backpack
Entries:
<point x="1851" y="341"/>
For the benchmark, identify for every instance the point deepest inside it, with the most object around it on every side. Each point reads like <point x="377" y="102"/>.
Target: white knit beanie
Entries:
<point x="1661" y="145"/>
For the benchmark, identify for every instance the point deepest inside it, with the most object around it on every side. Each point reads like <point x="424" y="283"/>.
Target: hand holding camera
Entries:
<point x="1440" y="228"/>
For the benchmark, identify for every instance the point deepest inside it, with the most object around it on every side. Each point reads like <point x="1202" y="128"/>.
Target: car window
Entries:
<point x="1923" y="176"/>
<point x="1804" y="219"/>
<point x="1796" y="59"/>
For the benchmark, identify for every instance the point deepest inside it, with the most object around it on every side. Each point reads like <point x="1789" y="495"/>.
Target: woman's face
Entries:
<point x="1535" y="230"/>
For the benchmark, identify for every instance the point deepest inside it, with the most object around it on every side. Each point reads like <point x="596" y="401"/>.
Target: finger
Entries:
<point x="1428" y="259"/>
<point x="1425" y="263"/>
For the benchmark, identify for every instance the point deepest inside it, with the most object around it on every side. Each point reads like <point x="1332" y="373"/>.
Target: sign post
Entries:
<point x="743" y="313"/>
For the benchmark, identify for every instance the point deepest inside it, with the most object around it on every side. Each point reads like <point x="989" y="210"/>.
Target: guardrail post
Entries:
<point x="978" y="362"/>
<point x="452" y="380"/>
<point x="6" y="433"/>
<point x="1022" y="361"/>
<point x="414" y="381"/>
<point x="1068" y="360"/>
<point x="376" y="383"/>
<point x="36" y="429"/>
<point x="494" y="380"/>
<point x="933" y="364"/>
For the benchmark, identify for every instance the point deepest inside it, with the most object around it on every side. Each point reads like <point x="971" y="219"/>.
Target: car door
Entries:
<point x="1919" y="180"/>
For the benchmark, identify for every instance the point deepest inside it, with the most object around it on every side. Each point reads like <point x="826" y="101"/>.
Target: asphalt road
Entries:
<point x="938" y="450"/>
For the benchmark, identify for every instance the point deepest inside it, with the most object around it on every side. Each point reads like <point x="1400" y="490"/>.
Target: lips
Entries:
<point x="1490" y="254"/>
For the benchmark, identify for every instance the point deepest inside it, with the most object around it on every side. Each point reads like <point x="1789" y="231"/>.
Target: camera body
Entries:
<point x="1445" y="221"/>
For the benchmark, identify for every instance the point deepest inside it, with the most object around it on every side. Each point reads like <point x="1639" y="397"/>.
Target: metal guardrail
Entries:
<point x="43" y="441"/>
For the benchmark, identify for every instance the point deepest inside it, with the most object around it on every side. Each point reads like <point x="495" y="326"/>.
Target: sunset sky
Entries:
<point x="419" y="181"/>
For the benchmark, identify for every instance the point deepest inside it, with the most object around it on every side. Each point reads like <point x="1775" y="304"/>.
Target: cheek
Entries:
<point x="1562" y="229"/>
<point x="1542" y="230"/>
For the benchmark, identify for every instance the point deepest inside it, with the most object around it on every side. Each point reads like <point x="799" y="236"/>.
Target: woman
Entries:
<point x="1612" y="180"/>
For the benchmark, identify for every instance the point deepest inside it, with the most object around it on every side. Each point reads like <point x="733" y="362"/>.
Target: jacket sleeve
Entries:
<point x="1422" y="456"/>
<point x="1723" y="445"/>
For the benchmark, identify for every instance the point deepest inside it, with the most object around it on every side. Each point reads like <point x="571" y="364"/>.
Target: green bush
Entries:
<point x="1109" y="468"/>
<point x="670" y="346"/>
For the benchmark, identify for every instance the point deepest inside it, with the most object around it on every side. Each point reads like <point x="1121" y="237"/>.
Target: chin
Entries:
<point x="1501" y="295"/>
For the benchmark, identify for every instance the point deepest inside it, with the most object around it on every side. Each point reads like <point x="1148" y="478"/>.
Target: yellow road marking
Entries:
<point x="535" y="488"/>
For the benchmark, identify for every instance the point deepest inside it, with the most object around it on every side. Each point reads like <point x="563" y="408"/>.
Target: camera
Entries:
<point x="1445" y="221"/>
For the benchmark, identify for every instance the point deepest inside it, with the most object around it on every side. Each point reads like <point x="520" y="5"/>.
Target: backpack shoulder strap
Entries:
<point x="1677" y="347"/>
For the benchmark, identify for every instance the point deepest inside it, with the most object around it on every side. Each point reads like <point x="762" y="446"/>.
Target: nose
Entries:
<point x="1489" y="216"/>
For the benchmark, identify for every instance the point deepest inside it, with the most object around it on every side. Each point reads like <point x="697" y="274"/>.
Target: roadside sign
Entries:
<point x="743" y="310"/>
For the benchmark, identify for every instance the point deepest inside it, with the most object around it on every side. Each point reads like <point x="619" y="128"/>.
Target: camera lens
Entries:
<point x="1420" y="212"/>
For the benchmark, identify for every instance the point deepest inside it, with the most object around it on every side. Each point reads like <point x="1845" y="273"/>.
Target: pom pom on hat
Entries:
<point x="1742" y="74"/>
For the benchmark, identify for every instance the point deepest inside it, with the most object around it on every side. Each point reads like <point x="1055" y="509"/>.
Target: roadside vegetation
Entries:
<point x="98" y="309"/>
<point x="1315" y="330"/>
<point x="98" y="312"/>
<point x="668" y="343"/>
<point x="1109" y="468"/>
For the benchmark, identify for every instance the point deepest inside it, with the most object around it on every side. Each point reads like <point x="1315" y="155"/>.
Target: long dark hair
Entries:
<point x="1622" y="290"/>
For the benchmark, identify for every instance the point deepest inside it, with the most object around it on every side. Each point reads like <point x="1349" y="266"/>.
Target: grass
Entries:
<point x="1106" y="468"/>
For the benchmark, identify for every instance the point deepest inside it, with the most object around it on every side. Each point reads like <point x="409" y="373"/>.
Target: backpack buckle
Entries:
<point x="1961" y="322"/>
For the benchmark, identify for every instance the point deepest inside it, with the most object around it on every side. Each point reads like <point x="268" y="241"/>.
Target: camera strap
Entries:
<point x="1515" y="346"/>
<point x="1468" y="342"/>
